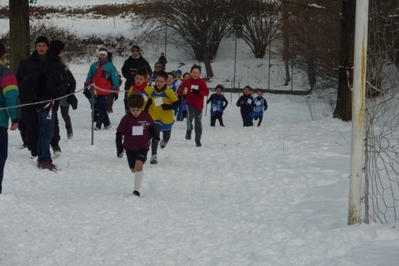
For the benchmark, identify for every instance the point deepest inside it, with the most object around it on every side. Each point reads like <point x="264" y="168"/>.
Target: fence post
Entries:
<point x="358" y="106"/>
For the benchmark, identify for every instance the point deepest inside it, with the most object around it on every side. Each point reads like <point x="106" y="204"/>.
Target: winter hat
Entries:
<point x="178" y="71"/>
<point x="42" y="39"/>
<point x="56" y="46"/>
<point x="219" y="86"/>
<point x="135" y="47"/>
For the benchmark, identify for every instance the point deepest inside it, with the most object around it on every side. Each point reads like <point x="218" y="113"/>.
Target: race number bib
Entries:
<point x="137" y="130"/>
<point x="158" y="101"/>
<point x="249" y="101"/>
<point x="194" y="87"/>
<point x="215" y="108"/>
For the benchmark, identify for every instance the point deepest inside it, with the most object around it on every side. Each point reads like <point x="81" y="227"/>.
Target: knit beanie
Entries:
<point x="135" y="47"/>
<point x="42" y="39"/>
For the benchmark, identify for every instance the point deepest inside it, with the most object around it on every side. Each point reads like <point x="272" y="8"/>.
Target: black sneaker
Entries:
<point x="198" y="143"/>
<point x="154" y="159"/>
<point x="163" y="144"/>
<point x="136" y="193"/>
<point x="188" y="135"/>
<point x="69" y="133"/>
<point x="56" y="150"/>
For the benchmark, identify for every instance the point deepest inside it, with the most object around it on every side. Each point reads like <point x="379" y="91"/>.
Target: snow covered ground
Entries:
<point x="273" y="195"/>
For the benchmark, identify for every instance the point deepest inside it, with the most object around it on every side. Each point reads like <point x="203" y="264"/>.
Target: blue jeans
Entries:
<point x="3" y="152"/>
<point x="101" y="102"/>
<point x="46" y="132"/>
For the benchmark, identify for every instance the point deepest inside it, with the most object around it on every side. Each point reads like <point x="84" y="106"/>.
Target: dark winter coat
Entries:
<point x="246" y="104"/>
<point x="55" y="82"/>
<point x="29" y="65"/>
<point x="163" y="61"/>
<point x="130" y="68"/>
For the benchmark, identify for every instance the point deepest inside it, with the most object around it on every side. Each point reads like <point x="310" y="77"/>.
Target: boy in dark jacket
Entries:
<point x="218" y="104"/>
<point x="136" y="129"/>
<point x="246" y="104"/>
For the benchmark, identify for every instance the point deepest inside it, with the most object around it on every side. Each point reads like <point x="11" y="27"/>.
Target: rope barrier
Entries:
<point x="62" y="97"/>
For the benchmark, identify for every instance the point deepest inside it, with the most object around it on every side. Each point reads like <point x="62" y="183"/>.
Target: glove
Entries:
<point x="195" y="92"/>
<point x="87" y="93"/>
<point x="116" y="96"/>
<point x="119" y="154"/>
<point x="167" y="106"/>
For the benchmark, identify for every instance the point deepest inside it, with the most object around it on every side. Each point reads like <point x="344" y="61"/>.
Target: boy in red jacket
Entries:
<point x="136" y="129"/>
<point x="195" y="89"/>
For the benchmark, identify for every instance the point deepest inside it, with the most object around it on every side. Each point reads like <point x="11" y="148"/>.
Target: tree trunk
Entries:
<point x="343" y="109"/>
<point x="286" y="44"/>
<point x="19" y="32"/>
<point x="207" y="61"/>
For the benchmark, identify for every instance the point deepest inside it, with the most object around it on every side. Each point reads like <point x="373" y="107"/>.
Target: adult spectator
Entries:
<point x="129" y="70"/>
<point x="54" y="85"/>
<point x="8" y="98"/>
<point x="163" y="61"/>
<point x="29" y="121"/>
<point x="104" y="77"/>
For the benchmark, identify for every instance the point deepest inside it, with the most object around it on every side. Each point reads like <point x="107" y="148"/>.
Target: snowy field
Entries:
<point x="268" y="196"/>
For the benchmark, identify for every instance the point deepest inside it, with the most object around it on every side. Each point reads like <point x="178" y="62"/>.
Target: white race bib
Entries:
<point x="194" y="87"/>
<point x="249" y="101"/>
<point x="258" y="103"/>
<point x="145" y="97"/>
<point x="137" y="130"/>
<point x="158" y="101"/>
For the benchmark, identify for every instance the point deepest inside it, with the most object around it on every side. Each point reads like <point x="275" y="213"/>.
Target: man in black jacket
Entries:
<point x="130" y="67"/>
<point x="28" y="121"/>
<point x="55" y="85"/>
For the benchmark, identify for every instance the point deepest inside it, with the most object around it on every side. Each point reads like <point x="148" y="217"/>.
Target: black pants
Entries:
<point x="217" y="117"/>
<point x="22" y="127"/>
<point x="260" y="119"/>
<point x="246" y="119"/>
<point x="66" y="117"/>
<point x="32" y="128"/>
<point x="3" y="152"/>
<point x="56" y="133"/>
<point x="165" y="137"/>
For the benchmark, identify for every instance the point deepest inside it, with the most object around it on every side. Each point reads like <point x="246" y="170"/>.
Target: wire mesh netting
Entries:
<point x="381" y="183"/>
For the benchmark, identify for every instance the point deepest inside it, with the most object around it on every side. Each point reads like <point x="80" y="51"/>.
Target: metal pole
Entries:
<point x="92" y="117"/>
<point x="235" y="66"/>
<point x="270" y="65"/>
<point x="358" y="105"/>
<point x="166" y="37"/>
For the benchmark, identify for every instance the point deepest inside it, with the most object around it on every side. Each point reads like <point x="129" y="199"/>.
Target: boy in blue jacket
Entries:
<point x="218" y="104"/>
<point x="260" y="106"/>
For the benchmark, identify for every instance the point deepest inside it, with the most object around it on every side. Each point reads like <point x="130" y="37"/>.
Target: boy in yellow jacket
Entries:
<point x="162" y="100"/>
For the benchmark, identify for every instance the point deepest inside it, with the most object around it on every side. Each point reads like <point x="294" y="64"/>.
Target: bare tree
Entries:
<point x="202" y="24"/>
<point x="343" y="108"/>
<point x="19" y="32"/>
<point x="313" y="32"/>
<point x="256" y="22"/>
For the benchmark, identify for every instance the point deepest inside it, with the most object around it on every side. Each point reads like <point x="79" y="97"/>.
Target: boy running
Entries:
<point x="218" y="104"/>
<point x="136" y="129"/>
